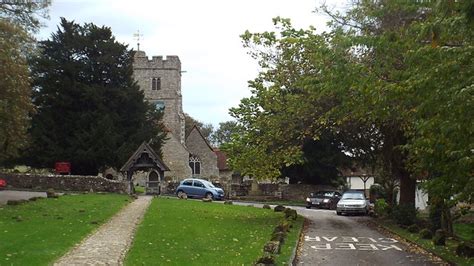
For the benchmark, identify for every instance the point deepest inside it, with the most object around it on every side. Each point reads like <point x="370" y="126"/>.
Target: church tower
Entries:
<point x="160" y="80"/>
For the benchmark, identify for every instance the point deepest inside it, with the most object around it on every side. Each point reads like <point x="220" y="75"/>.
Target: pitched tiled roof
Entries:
<point x="221" y="160"/>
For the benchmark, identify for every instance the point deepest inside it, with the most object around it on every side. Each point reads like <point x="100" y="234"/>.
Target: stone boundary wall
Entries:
<point x="63" y="183"/>
<point x="278" y="191"/>
<point x="301" y="191"/>
<point x="265" y="190"/>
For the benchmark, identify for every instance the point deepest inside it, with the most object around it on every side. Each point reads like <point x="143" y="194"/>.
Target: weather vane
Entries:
<point x="137" y="36"/>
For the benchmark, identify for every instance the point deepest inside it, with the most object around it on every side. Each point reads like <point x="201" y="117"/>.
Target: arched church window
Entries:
<point x="155" y="83"/>
<point x="195" y="165"/>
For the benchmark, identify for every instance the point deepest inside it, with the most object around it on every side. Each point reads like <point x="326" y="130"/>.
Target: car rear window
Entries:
<point x="353" y="195"/>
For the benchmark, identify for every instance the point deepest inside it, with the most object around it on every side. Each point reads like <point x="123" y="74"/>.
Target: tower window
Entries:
<point x="160" y="105"/>
<point x="155" y="83"/>
<point x="195" y="165"/>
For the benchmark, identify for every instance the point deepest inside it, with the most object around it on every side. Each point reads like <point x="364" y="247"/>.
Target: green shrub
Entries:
<point x="266" y="206"/>
<point x="381" y="208"/>
<point x="439" y="238"/>
<point x="435" y="213"/>
<point x="290" y="214"/>
<point x="426" y="234"/>
<point x="272" y="247"/>
<point x="278" y="236"/>
<point x="413" y="228"/>
<point x="266" y="260"/>
<point x="377" y="191"/>
<point x="279" y="208"/>
<point x="282" y="227"/>
<point x="465" y="250"/>
<point x="404" y="214"/>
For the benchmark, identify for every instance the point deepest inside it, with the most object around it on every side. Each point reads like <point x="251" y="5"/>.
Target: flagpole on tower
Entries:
<point x="137" y="37"/>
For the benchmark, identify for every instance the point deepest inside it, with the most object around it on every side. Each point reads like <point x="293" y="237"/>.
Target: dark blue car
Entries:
<point x="199" y="188"/>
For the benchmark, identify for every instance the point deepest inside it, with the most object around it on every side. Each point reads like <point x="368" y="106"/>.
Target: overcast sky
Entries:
<point x="203" y="33"/>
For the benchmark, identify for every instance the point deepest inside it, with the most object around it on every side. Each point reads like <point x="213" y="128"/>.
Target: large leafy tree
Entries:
<point x="224" y="132"/>
<point x="392" y="79"/>
<point x="15" y="91"/>
<point x="17" y="21"/>
<point x="90" y="110"/>
<point x="26" y="14"/>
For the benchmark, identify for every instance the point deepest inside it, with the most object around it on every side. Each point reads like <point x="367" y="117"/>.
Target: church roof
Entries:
<point x="148" y="150"/>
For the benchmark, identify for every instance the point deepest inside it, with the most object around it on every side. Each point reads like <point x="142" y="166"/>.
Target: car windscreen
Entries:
<point x="353" y="196"/>
<point x="322" y="194"/>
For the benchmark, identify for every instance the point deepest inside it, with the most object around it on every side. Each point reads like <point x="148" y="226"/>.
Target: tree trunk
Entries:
<point x="407" y="190"/>
<point x="395" y="156"/>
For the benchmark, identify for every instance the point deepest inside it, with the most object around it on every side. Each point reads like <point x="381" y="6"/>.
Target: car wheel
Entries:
<point x="208" y="195"/>
<point x="181" y="194"/>
<point x="338" y="213"/>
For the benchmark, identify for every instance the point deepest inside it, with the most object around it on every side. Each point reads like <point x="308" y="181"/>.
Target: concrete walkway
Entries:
<point x="109" y="244"/>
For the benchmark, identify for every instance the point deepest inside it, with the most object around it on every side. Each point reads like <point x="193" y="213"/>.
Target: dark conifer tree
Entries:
<point x="90" y="110"/>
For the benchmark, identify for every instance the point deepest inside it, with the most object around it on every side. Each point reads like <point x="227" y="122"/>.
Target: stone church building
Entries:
<point x="185" y="156"/>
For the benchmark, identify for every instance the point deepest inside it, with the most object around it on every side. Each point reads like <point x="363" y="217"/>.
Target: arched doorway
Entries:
<point x="146" y="159"/>
<point x="153" y="183"/>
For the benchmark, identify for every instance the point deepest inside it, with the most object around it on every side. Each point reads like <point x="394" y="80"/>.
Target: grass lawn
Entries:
<point x="38" y="232"/>
<point x="464" y="231"/>
<point x="139" y="190"/>
<point x="446" y="252"/>
<point x="180" y="232"/>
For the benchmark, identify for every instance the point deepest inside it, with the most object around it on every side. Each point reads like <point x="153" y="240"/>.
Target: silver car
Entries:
<point x="352" y="202"/>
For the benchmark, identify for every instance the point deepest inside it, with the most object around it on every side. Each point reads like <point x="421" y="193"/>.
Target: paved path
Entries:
<point x="109" y="244"/>
<point x="6" y="195"/>
<point x="330" y="239"/>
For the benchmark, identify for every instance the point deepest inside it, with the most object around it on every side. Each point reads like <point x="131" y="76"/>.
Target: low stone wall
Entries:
<point x="300" y="191"/>
<point x="277" y="191"/>
<point x="63" y="183"/>
<point x="169" y="187"/>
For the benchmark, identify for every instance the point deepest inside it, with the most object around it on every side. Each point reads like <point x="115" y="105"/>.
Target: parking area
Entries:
<point x="6" y="195"/>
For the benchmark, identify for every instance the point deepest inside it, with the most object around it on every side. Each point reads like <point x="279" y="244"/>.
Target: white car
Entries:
<point x="352" y="202"/>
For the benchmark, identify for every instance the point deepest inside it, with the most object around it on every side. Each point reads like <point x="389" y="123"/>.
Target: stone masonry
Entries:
<point x="168" y="94"/>
<point x="160" y="80"/>
<point x="204" y="151"/>
<point x="63" y="183"/>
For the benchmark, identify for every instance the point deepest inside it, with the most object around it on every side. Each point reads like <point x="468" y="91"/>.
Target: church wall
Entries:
<point x="198" y="146"/>
<point x="176" y="157"/>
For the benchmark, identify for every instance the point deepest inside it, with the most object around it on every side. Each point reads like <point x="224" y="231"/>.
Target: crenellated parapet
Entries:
<point x="141" y="60"/>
